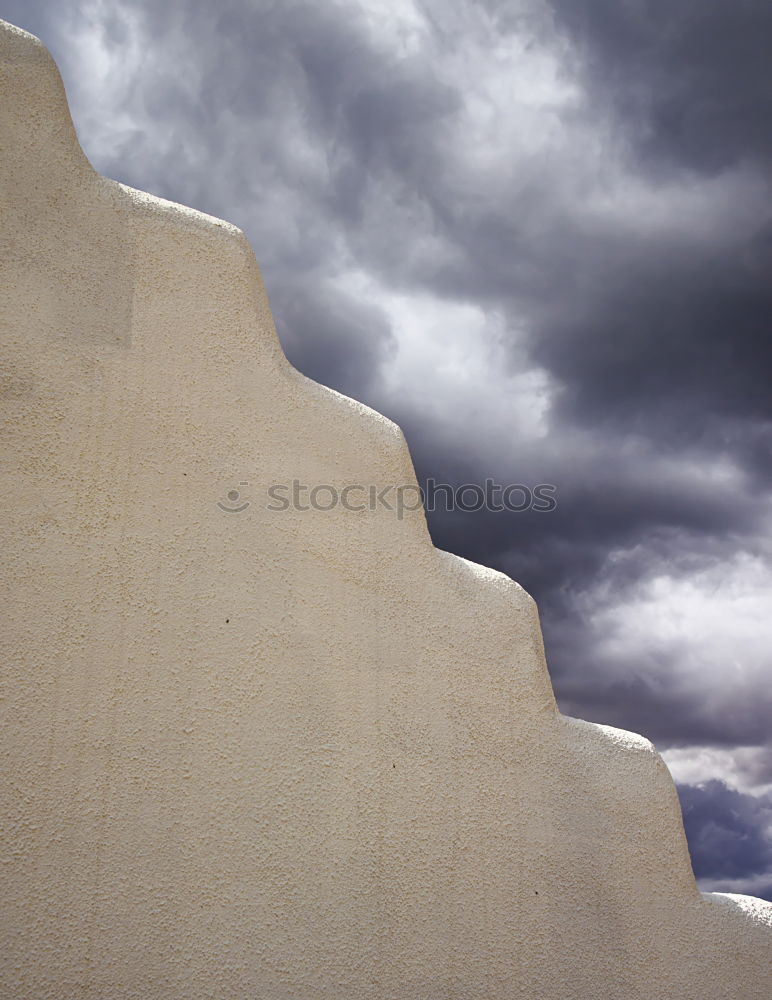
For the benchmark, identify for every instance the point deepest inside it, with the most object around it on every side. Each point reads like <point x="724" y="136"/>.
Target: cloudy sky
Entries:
<point x="538" y="235"/>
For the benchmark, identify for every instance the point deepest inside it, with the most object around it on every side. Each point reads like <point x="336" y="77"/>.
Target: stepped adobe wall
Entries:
<point x="277" y="754"/>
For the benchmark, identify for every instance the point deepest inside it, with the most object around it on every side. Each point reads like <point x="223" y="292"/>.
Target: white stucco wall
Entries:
<point x="276" y="754"/>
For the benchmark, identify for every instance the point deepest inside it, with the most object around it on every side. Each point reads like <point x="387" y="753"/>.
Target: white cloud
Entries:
<point x="101" y="76"/>
<point x="449" y="355"/>
<point x="397" y="24"/>
<point x="706" y="635"/>
<point x="748" y="769"/>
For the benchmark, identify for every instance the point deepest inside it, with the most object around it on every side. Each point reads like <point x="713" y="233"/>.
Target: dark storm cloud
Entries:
<point x="628" y="256"/>
<point x="605" y="501"/>
<point x="336" y="339"/>
<point x="687" y="329"/>
<point x="674" y="339"/>
<point x="726" y="831"/>
<point x="690" y="80"/>
<point x="647" y="703"/>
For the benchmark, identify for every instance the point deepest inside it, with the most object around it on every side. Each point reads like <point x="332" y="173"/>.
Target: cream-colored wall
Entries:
<point x="277" y="754"/>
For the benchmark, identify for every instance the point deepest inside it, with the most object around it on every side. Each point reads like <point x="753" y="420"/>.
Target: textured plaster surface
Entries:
<point x="276" y="755"/>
